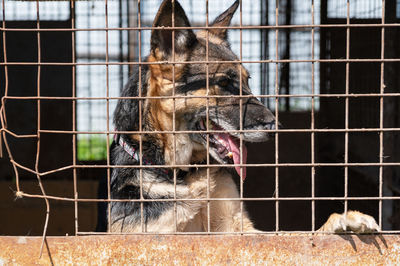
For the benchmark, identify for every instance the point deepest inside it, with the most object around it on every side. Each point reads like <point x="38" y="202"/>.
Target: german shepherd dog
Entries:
<point x="158" y="78"/>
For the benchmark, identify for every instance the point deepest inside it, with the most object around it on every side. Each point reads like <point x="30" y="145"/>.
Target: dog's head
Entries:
<point x="193" y="78"/>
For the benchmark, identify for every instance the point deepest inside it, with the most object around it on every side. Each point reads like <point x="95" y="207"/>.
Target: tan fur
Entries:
<point x="226" y="216"/>
<point x="161" y="112"/>
<point x="189" y="103"/>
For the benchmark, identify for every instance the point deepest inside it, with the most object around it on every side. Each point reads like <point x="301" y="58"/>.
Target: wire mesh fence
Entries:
<point x="326" y="70"/>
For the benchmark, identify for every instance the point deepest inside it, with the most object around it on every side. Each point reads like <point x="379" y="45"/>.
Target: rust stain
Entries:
<point x="203" y="250"/>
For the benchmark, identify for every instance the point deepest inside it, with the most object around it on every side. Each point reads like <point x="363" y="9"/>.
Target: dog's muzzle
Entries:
<point x="258" y="125"/>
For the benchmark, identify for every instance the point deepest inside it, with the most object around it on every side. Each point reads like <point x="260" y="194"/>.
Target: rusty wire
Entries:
<point x="382" y="91"/>
<point x="207" y="121"/>
<point x="108" y="118"/>
<point x="243" y="27"/>
<point x="277" y="165"/>
<point x="74" y="161"/>
<point x="312" y="120"/>
<point x="346" y="115"/>
<point x="38" y="127"/>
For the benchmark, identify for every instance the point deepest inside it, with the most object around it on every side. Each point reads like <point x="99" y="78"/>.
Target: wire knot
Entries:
<point x="19" y="194"/>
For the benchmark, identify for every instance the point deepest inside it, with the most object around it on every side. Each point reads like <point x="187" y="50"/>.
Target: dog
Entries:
<point x="159" y="81"/>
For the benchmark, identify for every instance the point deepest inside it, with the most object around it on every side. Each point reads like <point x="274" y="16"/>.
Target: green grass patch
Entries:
<point x="92" y="148"/>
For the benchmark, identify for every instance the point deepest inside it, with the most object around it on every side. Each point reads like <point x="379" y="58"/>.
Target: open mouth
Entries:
<point x="224" y="146"/>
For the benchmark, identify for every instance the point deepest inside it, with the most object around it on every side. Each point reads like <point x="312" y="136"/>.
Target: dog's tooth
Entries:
<point x="229" y="154"/>
<point x="221" y="141"/>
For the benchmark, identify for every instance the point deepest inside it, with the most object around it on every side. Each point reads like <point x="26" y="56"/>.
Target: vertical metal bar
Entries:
<point x="120" y="40"/>
<point x="323" y="68"/>
<point x="89" y="75"/>
<point x="207" y="123"/>
<point x="142" y="225"/>
<point x="323" y="84"/>
<point x="108" y="117"/>
<point x="390" y="141"/>
<point x="381" y="107"/>
<point x="312" y="121"/>
<point x="129" y="40"/>
<point x="264" y="52"/>
<point x="72" y="14"/>
<point x="241" y="112"/>
<point x="285" y="72"/>
<point x="39" y="54"/>
<point x="346" y="123"/>
<point x="276" y="117"/>
<point x="3" y="117"/>
<point x="2" y="108"/>
<point x="133" y="35"/>
<point x="174" y="114"/>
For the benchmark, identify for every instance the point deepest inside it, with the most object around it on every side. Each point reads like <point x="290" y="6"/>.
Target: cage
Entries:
<point x="328" y="70"/>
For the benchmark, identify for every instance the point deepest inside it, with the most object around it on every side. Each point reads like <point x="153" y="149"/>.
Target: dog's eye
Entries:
<point x="223" y="83"/>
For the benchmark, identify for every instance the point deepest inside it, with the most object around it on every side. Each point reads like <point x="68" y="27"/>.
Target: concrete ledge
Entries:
<point x="204" y="250"/>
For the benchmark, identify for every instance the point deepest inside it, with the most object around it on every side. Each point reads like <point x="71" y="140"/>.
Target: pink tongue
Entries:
<point x="234" y="147"/>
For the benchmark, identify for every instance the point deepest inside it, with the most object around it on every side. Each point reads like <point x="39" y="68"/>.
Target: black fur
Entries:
<point x="126" y="116"/>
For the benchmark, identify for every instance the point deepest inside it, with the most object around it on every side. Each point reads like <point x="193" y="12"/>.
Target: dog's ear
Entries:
<point x="161" y="39"/>
<point x="224" y="20"/>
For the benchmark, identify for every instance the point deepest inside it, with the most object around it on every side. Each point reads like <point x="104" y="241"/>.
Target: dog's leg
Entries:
<point x="174" y="217"/>
<point x="187" y="211"/>
<point x="226" y="215"/>
<point x="354" y="221"/>
<point x="184" y="216"/>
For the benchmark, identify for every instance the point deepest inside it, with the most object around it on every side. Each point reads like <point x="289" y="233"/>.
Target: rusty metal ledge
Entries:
<point x="204" y="250"/>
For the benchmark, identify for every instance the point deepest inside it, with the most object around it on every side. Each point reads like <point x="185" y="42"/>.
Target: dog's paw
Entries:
<point x="353" y="221"/>
<point x="335" y="223"/>
<point x="361" y="223"/>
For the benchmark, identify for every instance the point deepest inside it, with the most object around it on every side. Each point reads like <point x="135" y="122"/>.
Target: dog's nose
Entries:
<point x="272" y="126"/>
